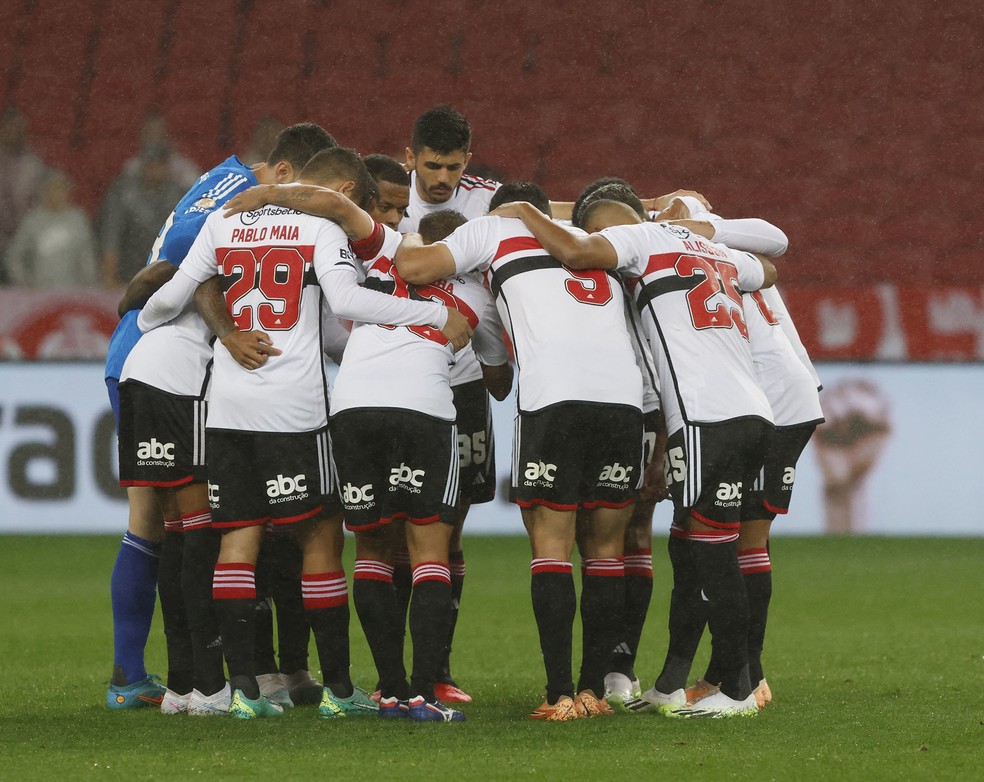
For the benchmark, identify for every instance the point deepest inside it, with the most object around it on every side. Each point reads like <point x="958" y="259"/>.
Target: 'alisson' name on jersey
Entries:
<point x="273" y="233"/>
<point x="698" y="247"/>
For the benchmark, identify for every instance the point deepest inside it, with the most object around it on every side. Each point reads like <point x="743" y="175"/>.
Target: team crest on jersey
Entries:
<point x="676" y="230"/>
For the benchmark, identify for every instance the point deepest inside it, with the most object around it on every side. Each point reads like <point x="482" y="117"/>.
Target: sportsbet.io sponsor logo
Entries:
<point x="284" y="488"/>
<point x="358" y="497"/>
<point x="728" y="495"/>
<point x="614" y="476"/>
<point x="540" y="474"/>
<point x="406" y="479"/>
<point x="155" y="454"/>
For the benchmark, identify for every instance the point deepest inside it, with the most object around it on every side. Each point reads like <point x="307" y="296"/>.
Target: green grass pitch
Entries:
<point x="874" y="655"/>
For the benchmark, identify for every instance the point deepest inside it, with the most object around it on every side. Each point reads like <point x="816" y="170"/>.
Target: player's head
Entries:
<point x="438" y="152"/>
<point x="440" y="225"/>
<point x="590" y="189"/>
<point x="522" y="191"/>
<point x="294" y="147"/>
<point x="601" y="213"/>
<point x="389" y="204"/>
<point x="612" y="192"/>
<point x="340" y="169"/>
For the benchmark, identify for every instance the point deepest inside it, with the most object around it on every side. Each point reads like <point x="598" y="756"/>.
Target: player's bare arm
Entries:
<point x="457" y="330"/>
<point x="145" y="284"/>
<point x="498" y="380"/>
<point x="576" y="252"/>
<point x="660" y="203"/>
<point x="418" y="263"/>
<point x="250" y="349"/>
<point x="310" y="199"/>
<point x="771" y="274"/>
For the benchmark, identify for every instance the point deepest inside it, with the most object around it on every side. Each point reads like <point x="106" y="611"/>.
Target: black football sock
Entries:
<point x="457" y="565"/>
<point x="200" y="554"/>
<point x="602" y="606"/>
<point x="180" y="659"/>
<point x="293" y="631"/>
<point x="380" y="617"/>
<point x="554" y="605"/>
<point x="638" y="595"/>
<point x="430" y="614"/>
<point x="234" y="593"/>
<point x="687" y="616"/>
<point x="327" y="610"/>
<point x="715" y="557"/>
<point x="756" y="569"/>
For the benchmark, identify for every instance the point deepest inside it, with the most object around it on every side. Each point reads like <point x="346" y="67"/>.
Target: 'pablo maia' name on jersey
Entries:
<point x="275" y="233"/>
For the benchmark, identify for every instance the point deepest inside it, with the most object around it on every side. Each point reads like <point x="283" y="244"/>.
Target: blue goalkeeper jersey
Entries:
<point x="210" y="192"/>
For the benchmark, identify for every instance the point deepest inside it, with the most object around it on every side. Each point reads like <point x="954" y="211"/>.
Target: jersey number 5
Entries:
<point x="589" y="287"/>
<point x="277" y="273"/>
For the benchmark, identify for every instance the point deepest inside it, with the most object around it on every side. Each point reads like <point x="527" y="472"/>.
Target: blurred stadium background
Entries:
<point x="854" y="126"/>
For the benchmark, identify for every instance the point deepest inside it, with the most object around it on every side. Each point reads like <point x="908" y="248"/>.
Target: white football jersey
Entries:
<point x="778" y="307"/>
<point x="787" y="383"/>
<point x="277" y="264"/>
<point x="410" y="368"/>
<point x="759" y="236"/>
<point x="175" y="357"/>
<point x="467" y="367"/>
<point x="688" y="291"/>
<point x="568" y="329"/>
<point x="471" y="197"/>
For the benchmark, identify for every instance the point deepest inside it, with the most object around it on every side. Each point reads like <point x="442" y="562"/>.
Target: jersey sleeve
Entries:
<point x="185" y="223"/>
<point x="168" y="302"/>
<point x="199" y="262"/>
<point x="630" y="246"/>
<point x="473" y="244"/>
<point x="750" y="234"/>
<point x="337" y="270"/>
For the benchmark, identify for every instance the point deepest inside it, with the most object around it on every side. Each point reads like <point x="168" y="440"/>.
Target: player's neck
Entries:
<point x="265" y="174"/>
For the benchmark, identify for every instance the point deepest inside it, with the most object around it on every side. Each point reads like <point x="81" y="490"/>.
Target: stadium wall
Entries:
<point x="901" y="455"/>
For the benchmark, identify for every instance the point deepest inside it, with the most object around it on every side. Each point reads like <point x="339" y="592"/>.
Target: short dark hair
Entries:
<point x="591" y="188"/>
<point x="614" y="191"/>
<point x="440" y="225"/>
<point x="384" y="168"/>
<point x="335" y="163"/>
<point x="299" y="143"/>
<point x="443" y="129"/>
<point x="522" y="191"/>
<point x="598" y="203"/>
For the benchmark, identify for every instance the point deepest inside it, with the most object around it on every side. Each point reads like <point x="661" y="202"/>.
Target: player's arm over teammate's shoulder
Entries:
<point x="577" y="251"/>
<point x="420" y="263"/>
<point x="337" y="272"/>
<point x="310" y="199"/>
<point x="751" y="234"/>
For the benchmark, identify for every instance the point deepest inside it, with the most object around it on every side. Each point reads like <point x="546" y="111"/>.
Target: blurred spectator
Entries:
<point x="153" y="135"/>
<point x="21" y="177"/>
<point x="135" y="207"/>
<point x="54" y="247"/>
<point x="264" y="137"/>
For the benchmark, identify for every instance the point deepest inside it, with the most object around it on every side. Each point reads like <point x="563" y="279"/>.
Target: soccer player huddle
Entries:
<point x="653" y="359"/>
